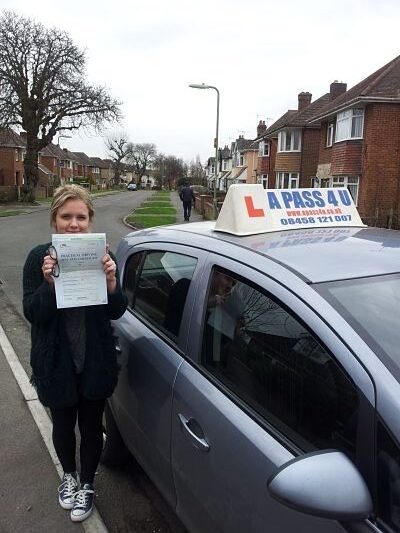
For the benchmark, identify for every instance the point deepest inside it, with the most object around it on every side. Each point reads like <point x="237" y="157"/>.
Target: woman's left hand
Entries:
<point x="110" y="270"/>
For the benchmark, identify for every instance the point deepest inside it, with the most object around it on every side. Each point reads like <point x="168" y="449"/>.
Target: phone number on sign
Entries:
<point x="313" y="220"/>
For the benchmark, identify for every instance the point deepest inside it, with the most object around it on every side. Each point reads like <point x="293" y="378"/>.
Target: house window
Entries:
<point x="264" y="181"/>
<point x="329" y="134"/>
<point x="224" y="164"/>
<point x="319" y="182"/>
<point x="17" y="155"/>
<point x="241" y="160"/>
<point x="349" y="124"/>
<point x="61" y="163"/>
<point x="351" y="182"/>
<point x="263" y="148"/>
<point x="287" y="180"/>
<point x="289" y="141"/>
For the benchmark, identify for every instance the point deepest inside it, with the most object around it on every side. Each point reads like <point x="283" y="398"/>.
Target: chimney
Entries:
<point x="337" y="88"/>
<point x="261" y="128"/>
<point x="304" y="100"/>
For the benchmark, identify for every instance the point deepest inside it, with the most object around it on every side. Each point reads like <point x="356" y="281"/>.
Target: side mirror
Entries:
<point x="324" y="484"/>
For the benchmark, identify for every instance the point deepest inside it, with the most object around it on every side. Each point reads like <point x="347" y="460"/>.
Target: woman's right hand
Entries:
<point x="47" y="268"/>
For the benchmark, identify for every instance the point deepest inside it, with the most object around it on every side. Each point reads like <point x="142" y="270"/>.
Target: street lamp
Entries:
<point x="204" y="86"/>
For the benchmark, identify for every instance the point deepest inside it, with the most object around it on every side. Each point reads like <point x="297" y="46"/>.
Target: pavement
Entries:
<point x="177" y="203"/>
<point x="23" y="208"/>
<point x="29" y="480"/>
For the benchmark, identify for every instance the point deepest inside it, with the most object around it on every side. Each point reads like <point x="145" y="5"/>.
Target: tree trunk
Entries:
<point x="31" y="172"/>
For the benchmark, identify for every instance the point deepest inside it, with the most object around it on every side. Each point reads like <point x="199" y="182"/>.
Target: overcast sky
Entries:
<point x="259" y="53"/>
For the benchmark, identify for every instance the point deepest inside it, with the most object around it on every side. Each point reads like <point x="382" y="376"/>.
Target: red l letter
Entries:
<point x="251" y="210"/>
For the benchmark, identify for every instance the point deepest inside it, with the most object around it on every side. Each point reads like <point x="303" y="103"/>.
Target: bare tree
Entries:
<point x="159" y="169"/>
<point x="43" y="88"/>
<point x="140" y="157"/>
<point x="175" y="169"/>
<point x="196" y="172"/>
<point x="118" y="147"/>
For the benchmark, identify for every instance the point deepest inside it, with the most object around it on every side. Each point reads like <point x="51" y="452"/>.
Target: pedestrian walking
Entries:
<point x="187" y="197"/>
<point x="73" y="356"/>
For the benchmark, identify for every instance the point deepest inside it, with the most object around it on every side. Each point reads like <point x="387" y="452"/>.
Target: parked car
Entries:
<point x="260" y="376"/>
<point x="131" y="187"/>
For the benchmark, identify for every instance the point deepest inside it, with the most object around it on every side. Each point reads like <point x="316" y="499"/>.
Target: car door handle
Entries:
<point x="199" y="442"/>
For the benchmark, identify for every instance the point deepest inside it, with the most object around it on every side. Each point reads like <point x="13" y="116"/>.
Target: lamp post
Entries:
<point x="204" y="86"/>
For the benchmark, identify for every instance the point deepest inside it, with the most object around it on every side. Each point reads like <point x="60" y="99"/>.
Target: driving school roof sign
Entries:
<point x="250" y="209"/>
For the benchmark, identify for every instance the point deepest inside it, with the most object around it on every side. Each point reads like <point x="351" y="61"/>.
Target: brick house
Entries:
<point x="12" y="149"/>
<point x="243" y="160"/>
<point x="225" y="168"/>
<point x="266" y="156"/>
<point x="360" y="144"/>
<point x="83" y="166"/>
<point x="67" y="164"/>
<point x="210" y="172"/>
<point x="105" y="174"/>
<point x="51" y="157"/>
<point x="294" y="141"/>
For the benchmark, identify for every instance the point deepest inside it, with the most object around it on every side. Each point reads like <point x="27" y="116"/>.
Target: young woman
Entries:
<point x="73" y="358"/>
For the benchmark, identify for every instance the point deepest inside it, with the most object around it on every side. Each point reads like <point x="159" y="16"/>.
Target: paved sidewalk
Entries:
<point x="29" y="480"/>
<point x="23" y="209"/>
<point x="177" y="203"/>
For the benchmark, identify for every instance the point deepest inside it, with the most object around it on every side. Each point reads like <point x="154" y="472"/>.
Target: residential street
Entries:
<point x="127" y="500"/>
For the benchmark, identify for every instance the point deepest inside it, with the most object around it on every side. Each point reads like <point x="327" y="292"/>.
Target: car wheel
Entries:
<point x="114" y="453"/>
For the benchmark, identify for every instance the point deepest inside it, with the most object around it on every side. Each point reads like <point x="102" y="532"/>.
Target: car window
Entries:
<point x="132" y="270"/>
<point x="388" y="469"/>
<point x="157" y="284"/>
<point x="264" y="354"/>
<point x="370" y="306"/>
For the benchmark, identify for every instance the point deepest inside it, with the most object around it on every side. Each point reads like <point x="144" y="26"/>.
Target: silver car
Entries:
<point x="259" y="384"/>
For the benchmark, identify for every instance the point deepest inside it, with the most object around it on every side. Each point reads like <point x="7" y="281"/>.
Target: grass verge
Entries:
<point x="10" y="213"/>
<point x="148" y="221"/>
<point x="155" y="210"/>
<point x="156" y="204"/>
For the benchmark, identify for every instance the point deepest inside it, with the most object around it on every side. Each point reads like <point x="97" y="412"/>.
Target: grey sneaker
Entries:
<point x="67" y="490"/>
<point x="83" y="504"/>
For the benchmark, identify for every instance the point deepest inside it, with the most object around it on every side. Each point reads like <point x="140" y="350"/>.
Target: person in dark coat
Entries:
<point x="187" y="197"/>
<point x="73" y="355"/>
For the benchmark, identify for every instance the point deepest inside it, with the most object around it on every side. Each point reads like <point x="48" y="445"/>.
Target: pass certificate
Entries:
<point x="81" y="280"/>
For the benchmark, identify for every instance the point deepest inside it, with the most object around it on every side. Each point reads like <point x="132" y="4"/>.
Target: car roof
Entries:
<point x="315" y="254"/>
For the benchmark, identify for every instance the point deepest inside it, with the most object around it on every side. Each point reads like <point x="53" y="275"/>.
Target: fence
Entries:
<point x="383" y="219"/>
<point x="13" y="193"/>
<point x="204" y="204"/>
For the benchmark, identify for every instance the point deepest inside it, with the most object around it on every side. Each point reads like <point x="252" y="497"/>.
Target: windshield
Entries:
<point x="371" y="306"/>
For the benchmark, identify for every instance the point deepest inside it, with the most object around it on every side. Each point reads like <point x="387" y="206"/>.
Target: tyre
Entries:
<point x="115" y="453"/>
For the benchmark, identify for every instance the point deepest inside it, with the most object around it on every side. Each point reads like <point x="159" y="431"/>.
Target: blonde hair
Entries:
<point x="70" y="192"/>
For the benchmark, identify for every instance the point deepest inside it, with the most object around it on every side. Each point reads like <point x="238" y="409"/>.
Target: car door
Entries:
<point x="160" y="281"/>
<point x="250" y="397"/>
